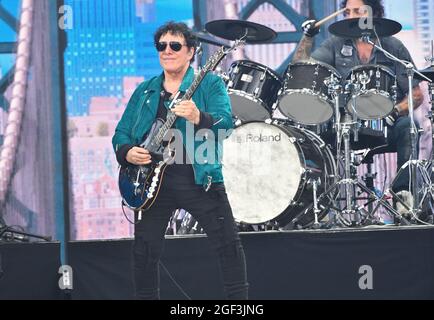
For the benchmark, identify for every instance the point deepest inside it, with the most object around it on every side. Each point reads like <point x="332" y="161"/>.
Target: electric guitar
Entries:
<point x="140" y="185"/>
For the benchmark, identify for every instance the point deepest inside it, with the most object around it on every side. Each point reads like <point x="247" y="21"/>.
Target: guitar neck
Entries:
<point x="171" y="117"/>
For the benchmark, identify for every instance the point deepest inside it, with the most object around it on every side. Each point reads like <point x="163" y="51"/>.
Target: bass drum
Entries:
<point x="268" y="171"/>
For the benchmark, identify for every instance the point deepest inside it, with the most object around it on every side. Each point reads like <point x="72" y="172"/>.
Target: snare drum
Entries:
<point x="375" y="95"/>
<point x="253" y="90"/>
<point x="305" y="97"/>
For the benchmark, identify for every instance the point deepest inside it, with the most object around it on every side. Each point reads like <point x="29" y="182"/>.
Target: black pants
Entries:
<point x="399" y="139"/>
<point x="213" y="212"/>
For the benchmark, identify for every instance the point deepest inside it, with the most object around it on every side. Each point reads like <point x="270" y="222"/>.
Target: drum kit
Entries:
<point x="279" y="171"/>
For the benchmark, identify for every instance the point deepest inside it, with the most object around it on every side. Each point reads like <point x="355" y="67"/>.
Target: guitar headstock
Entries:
<point x="218" y="56"/>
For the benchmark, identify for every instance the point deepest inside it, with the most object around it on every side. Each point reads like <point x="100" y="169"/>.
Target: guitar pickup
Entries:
<point x="157" y="156"/>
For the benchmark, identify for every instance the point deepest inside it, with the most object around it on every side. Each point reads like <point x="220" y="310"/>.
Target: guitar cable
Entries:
<point x="174" y="281"/>
<point x="161" y="263"/>
<point x="126" y="217"/>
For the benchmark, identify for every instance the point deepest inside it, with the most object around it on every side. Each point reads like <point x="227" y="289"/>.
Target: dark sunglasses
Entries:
<point x="174" y="45"/>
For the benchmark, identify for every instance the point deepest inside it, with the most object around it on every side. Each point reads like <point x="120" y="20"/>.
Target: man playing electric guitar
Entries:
<point x="196" y="186"/>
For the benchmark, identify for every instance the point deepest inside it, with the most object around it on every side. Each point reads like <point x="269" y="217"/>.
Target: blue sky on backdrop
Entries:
<point x="174" y="10"/>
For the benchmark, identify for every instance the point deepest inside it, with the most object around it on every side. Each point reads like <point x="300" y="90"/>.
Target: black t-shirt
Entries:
<point x="178" y="175"/>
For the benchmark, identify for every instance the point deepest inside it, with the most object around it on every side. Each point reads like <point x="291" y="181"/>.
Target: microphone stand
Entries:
<point x="413" y="161"/>
<point x="429" y="187"/>
<point x="9" y="234"/>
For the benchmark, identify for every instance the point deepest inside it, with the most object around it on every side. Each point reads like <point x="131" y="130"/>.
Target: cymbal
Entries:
<point x="351" y="28"/>
<point x="206" y="38"/>
<point x="236" y="29"/>
<point x="429" y="73"/>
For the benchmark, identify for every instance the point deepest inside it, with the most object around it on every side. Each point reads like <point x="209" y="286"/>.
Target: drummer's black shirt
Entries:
<point x="342" y="54"/>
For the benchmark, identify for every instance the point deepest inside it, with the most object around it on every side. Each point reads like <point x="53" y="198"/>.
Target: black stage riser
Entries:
<point x="281" y="265"/>
<point x="29" y="271"/>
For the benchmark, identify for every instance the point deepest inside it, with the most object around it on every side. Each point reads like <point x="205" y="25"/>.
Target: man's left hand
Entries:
<point x="187" y="110"/>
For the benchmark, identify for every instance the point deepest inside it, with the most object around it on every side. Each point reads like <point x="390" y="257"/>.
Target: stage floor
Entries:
<point x="386" y="262"/>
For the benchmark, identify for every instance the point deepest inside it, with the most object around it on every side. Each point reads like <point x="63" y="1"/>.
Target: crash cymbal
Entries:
<point x="206" y="38"/>
<point x="236" y="29"/>
<point x="429" y="73"/>
<point x="354" y="28"/>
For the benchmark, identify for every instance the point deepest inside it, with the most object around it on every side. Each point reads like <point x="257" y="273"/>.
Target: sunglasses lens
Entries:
<point x="175" y="46"/>
<point x="161" y="46"/>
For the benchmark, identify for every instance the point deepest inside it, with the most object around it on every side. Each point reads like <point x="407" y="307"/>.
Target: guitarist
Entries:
<point x="196" y="186"/>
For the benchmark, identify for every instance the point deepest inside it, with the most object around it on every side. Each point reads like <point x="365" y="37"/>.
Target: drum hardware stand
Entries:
<point x="369" y="182"/>
<point x="349" y="180"/>
<point x="428" y="189"/>
<point x="413" y="163"/>
<point x="271" y="225"/>
<point x="365" y="156"/>
<point x="427" y="174"/>
<point x="316" y="210"/>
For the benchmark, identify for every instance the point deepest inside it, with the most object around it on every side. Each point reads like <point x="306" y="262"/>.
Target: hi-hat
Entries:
<point x="236" y="29"/>
<point x="206" y="38"/>
<point x="355" y="28"/>
<point x="429" y="73"/>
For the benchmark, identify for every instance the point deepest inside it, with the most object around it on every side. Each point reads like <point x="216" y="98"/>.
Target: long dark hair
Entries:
<point x="376" y="5"/>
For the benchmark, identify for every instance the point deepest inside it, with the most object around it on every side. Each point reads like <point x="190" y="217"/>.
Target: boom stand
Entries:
<point x="413" y="164"/>
<point x="428" y="189"/>
<point x="9" y="234"/>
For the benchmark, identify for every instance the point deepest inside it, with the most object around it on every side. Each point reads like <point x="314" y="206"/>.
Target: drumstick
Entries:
<point x="319" y="23"/>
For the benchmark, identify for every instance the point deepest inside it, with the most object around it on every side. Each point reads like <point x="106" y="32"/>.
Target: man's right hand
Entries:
<point x="309" y="29"/>
<point x="392" y="117"/>
<point x="138" y="156"/>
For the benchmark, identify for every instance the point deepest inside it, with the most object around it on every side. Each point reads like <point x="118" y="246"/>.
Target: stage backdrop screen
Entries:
<point x="110" y="51"/>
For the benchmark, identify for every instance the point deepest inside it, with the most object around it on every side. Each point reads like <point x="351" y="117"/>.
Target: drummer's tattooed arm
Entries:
<point x="417" y="101"/>
<point x="303" y="50"/>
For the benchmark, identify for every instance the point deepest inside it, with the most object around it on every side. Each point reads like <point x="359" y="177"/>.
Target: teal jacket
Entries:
<point x="210" y="97"/>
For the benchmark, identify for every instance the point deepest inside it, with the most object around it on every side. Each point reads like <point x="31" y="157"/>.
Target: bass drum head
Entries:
<point x="262" y="172"/>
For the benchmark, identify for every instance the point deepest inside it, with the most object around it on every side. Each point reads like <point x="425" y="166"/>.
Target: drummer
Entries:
<point x="344" y="54"/>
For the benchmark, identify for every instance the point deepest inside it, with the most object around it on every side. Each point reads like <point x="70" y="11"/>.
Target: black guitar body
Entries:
<point x="139" y="185"/>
